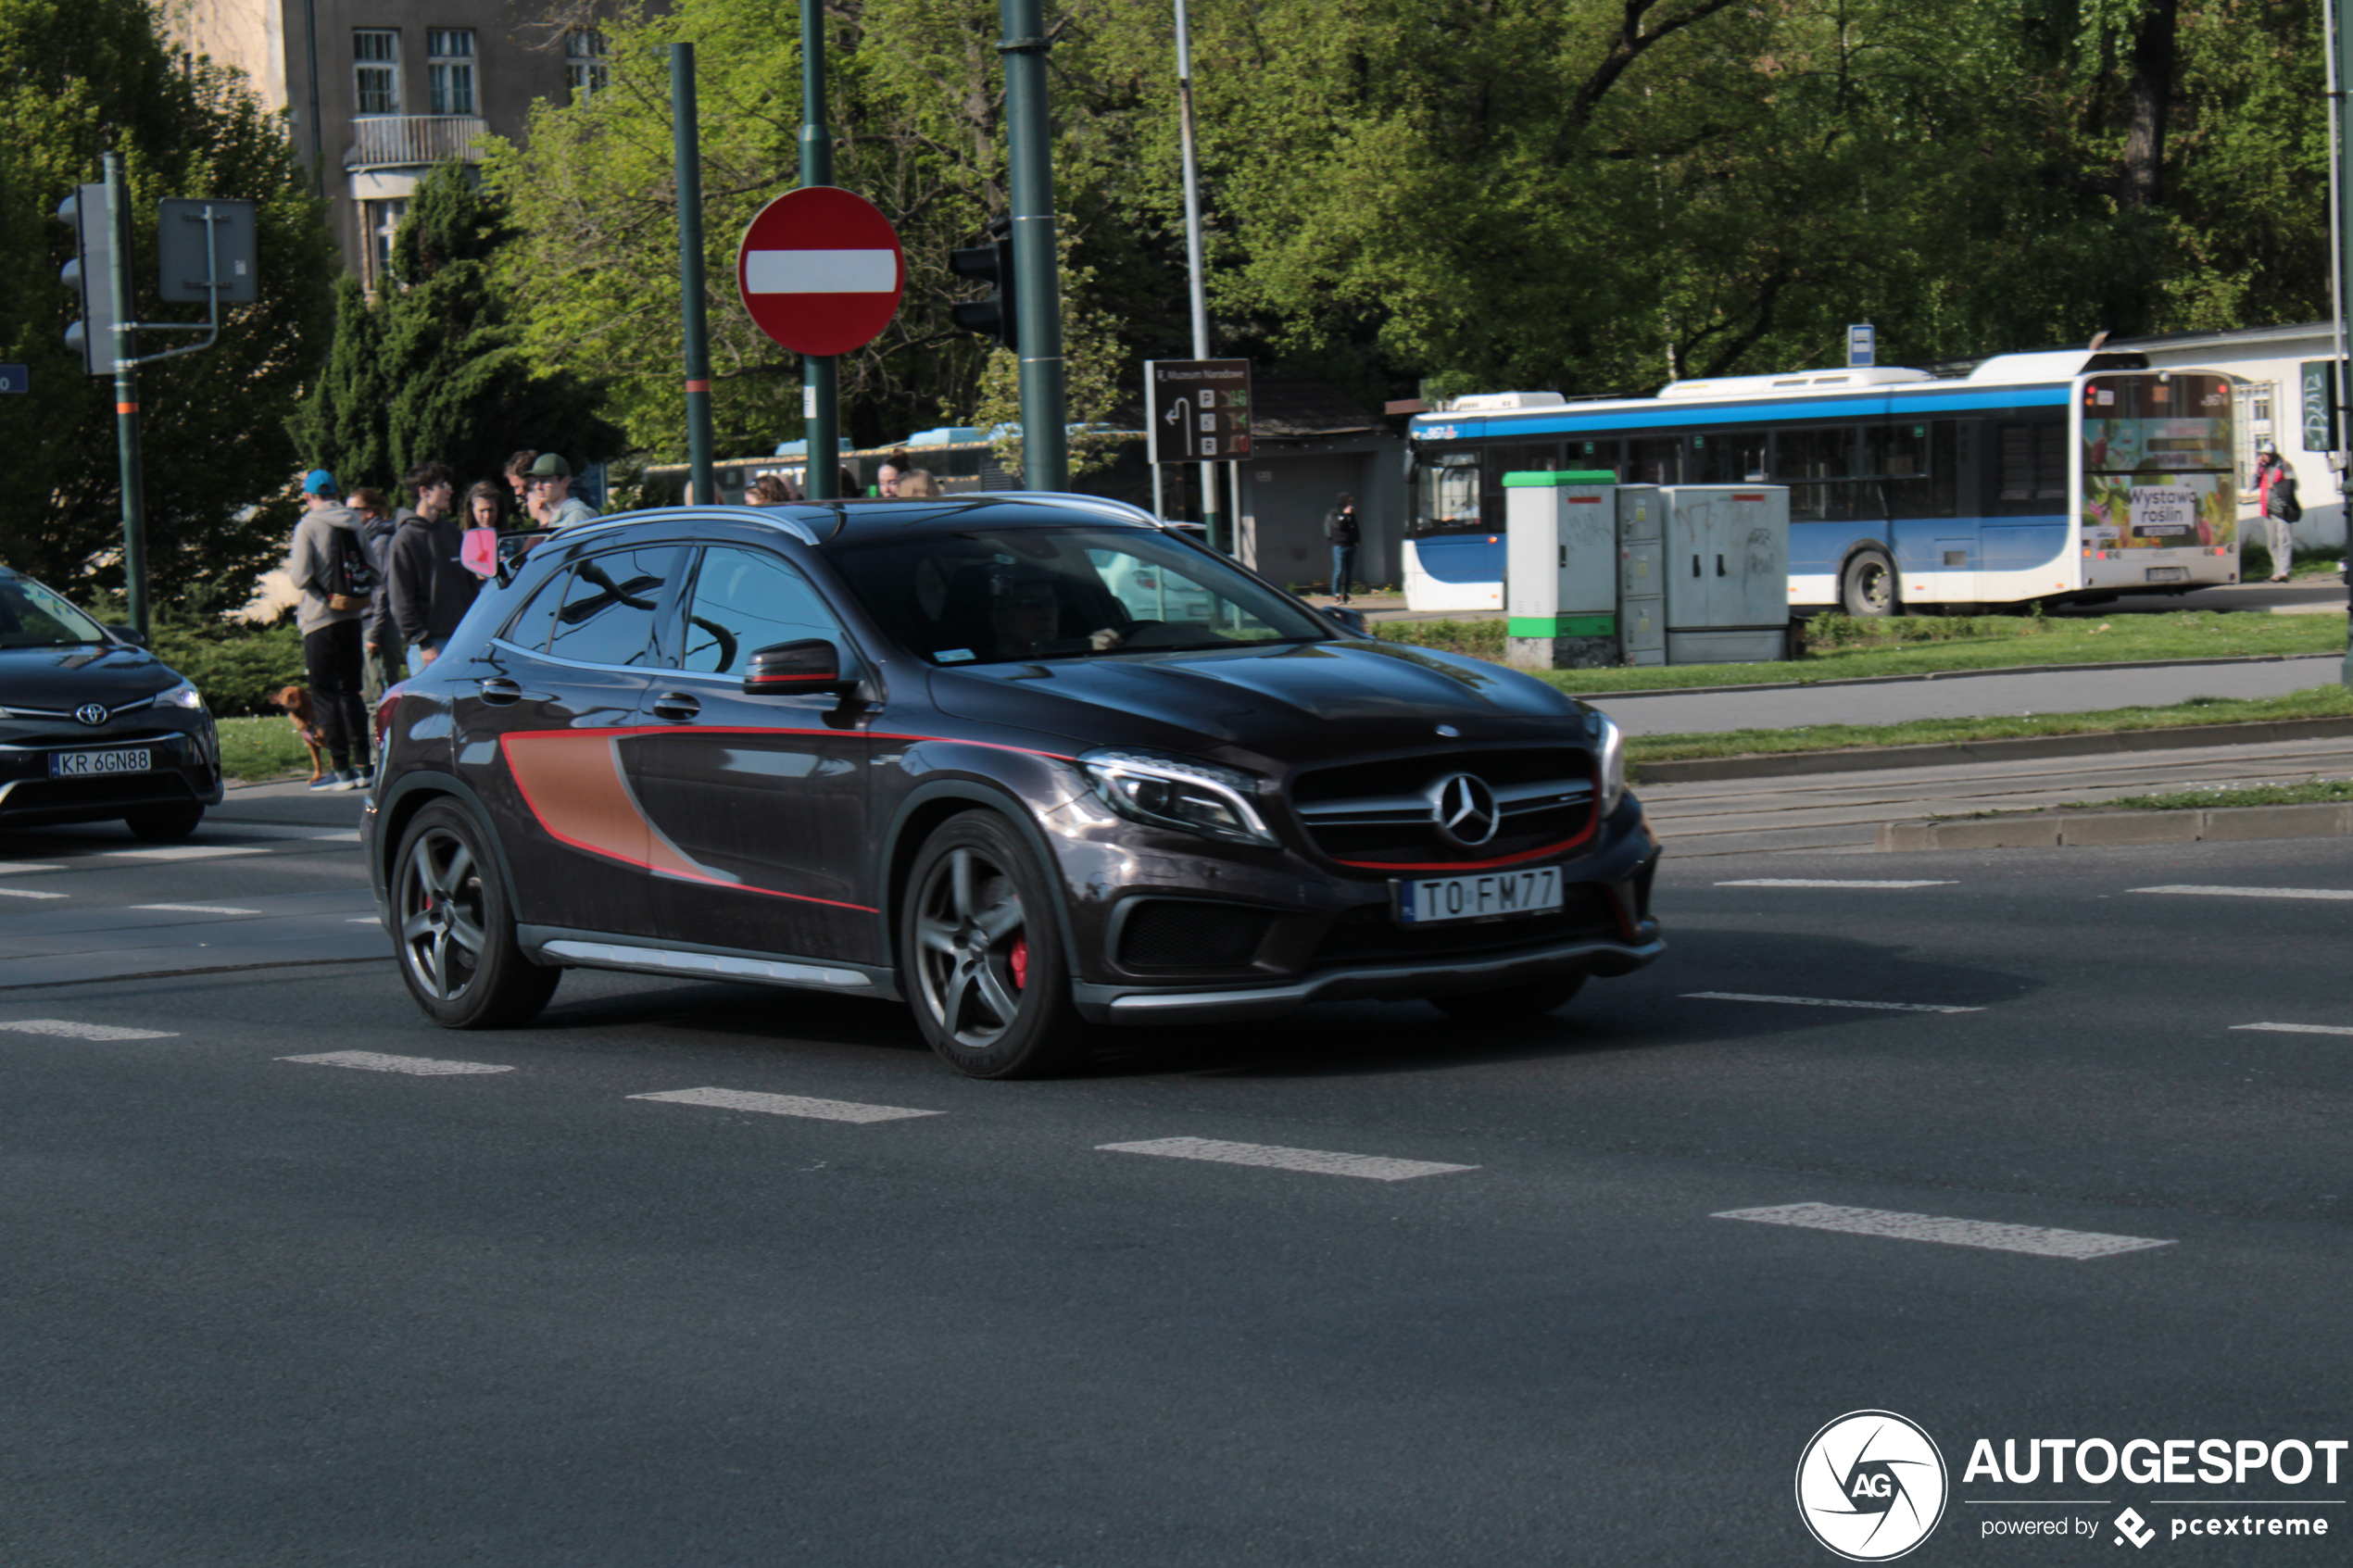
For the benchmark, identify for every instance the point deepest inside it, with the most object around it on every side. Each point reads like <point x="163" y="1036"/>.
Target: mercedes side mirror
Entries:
<point x="1353" y="620"/>
<point x="811" y="665"/>
<point x="127" y="634"/>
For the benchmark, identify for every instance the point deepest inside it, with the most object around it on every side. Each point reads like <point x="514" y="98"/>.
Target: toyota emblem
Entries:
<point x="1464" y="811"/>
<point x="92" y="713"/>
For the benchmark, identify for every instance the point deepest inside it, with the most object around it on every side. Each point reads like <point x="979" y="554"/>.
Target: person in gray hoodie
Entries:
<point x="329" y="621"/>
<point x="429" y="591"/>
<point x="380" y="654"/>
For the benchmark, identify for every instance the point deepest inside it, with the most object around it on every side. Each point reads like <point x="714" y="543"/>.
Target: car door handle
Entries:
<point x="676" y="705"/>
<point x="498" y="692"/>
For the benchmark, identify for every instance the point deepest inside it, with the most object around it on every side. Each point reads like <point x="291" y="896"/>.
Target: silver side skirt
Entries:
<point x="662" y="961"/>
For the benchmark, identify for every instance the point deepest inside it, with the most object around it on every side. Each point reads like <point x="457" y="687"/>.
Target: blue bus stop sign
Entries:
<point x="14" y="378"/>
<point x="1861" y="348"/>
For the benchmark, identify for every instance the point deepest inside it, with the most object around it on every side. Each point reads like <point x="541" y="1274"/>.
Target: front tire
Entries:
<point x="1867" y="587"/>
<point x="982" y="952"/>
<point x="454" y="925"/>
<point x="165" y="824"/>
<point x="1532" y="1001"/>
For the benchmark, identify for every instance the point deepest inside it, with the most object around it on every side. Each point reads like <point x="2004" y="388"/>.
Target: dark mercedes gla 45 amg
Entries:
<point x="1026" y="763"/>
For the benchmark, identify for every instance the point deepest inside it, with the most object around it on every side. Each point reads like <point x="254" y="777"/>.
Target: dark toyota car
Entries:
<point x="94" y="727"/>
<point x="1025" y="762"/>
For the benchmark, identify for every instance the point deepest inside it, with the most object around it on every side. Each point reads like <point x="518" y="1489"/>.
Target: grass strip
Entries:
<point x="2311" y="792"/>
<point x="255" y="750"/>
<point x="1842" y="648"/>
<point x="2316" y="702"/>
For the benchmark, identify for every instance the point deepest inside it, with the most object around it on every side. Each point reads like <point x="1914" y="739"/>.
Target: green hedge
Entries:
<point x="237" y="667"/>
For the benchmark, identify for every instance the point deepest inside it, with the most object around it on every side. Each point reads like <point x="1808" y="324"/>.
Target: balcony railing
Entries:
<point x="412" y="140"/>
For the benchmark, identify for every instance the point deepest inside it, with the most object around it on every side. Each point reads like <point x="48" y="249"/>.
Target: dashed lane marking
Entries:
<point x="2298" y="1028"/>
<point x="1828" y="882"/>
<point x="2254" y="892"/>
<point x="351" y="837"/>
<point x="29" y="893"/>
<point x="788" y="1105"/>
<point x="198" y="909"/>
<point x="1822" y="1002"/>
<point x="375" y="1062"/>
<point x="363" y="920"/>
<point x="67" y="1029"/>
<point x="11" y="868"/>
<point x="185" y="852"/>
<point x="1315" y="1161"/>
<point x="2036" y="1240"/>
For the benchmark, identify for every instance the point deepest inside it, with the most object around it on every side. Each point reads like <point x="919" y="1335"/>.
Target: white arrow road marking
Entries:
<point x="2035" y="1239"/>
<point x="821" y="271"/>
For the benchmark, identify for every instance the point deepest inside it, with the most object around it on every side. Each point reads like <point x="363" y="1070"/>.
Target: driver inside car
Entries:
<point x="1026" y="619"/>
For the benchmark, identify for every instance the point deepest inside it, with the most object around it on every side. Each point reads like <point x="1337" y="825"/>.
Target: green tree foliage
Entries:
<point x="438" y="370"/>
<point x="79" y="78"/>
<point x="1588" y="194"/>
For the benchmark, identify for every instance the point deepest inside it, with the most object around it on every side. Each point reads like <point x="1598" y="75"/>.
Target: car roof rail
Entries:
<point x="1066" y="498"/>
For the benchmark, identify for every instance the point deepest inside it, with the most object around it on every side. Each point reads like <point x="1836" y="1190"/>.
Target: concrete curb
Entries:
<point x="2220" y="825"/>
<point x="1952" y="675"/>
<point x="1947" y="754"/>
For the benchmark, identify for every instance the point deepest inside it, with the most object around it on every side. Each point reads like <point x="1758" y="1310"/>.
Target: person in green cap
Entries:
<point x="552" y="503"/>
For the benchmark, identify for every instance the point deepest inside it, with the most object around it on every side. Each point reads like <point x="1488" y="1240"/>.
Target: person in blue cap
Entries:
<point x="331" y="566"/>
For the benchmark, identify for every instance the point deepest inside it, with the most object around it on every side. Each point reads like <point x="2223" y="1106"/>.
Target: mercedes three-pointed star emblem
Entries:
<point x="1463" y="809"/>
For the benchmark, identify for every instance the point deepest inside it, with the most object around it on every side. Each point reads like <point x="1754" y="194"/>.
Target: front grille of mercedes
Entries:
<point x="1377" y="814"/>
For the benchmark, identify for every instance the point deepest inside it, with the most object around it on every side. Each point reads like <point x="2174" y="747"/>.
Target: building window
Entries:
<point x="450" y="69"/>
<point x="584" y="59"/>
<point x="375" y="54"/>
<point x="382" y="218"/>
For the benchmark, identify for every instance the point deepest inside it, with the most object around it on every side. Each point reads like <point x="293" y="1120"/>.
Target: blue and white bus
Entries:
<point x="2074" y="475"/>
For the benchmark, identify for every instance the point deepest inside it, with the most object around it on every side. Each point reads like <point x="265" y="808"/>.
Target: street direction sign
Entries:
<point x="820" y="271"/>
<point x="14" y="378"/>
<point x="1197" y="411"/>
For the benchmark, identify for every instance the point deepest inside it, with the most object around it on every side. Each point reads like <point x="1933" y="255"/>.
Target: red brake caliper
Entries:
<point x="1019" y="958"/>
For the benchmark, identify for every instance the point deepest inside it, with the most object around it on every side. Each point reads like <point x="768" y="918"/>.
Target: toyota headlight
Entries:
<point x="1177" y="792"/>
<point x="182" y="695"/>
<point x="1609" y="745"/>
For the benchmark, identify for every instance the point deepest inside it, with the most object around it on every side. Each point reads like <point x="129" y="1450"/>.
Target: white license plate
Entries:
<point x="90" y="764"/>
<point x="1494" y="896"/>
<point x="2169" y="575"/>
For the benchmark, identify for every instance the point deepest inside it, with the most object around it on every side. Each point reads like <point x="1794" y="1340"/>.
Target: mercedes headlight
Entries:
<point x="1177" y="792"/>
<point x="182" y="695"/>
<point x="1609" y="745"/>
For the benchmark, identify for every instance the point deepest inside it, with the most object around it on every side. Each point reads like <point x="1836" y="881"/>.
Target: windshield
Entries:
<point x="1446" y="493"/>
<point x="32" y="617"/>
<point x="989" y="595"/>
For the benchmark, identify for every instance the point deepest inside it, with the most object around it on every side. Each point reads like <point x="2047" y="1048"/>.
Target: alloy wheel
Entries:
<point x="973" y="948"/>
<point x="441" y="915"/>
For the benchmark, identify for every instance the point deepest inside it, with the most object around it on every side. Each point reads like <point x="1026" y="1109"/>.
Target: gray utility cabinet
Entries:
<point x="1699" y="573"/>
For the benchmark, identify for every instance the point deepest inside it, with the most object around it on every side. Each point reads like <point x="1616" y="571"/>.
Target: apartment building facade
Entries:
<point x="378" y="92"/>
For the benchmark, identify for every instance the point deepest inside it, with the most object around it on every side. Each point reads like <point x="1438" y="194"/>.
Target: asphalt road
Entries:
<point x="261" y="1310"/>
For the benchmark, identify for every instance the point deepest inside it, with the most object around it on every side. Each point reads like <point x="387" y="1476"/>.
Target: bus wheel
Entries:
<point x="1868" y="585"/>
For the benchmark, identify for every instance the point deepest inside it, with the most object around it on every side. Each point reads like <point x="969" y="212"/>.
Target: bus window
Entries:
<point x="2029" y="463"/>
<point x="1654" y="460"/>
<point x="1446" y="492"/>
<point x="1732" y="457"/>
<point x="1594" y="456"/>
<point x="1916" y="460"/>
<point x="1817" y="465"/>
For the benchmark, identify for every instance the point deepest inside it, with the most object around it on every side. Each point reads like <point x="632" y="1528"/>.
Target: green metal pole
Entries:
<point x="1045" y="437"/>
<point x="126" y="396"/>
<point x="686" y="139"/>
<point x="820" y="394"/>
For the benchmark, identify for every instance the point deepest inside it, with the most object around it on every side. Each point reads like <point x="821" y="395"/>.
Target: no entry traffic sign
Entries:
<point x="820" y="271"/>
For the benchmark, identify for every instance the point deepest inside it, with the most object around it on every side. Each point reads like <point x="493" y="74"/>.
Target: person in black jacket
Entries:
<point x="1341" y="528"/>
<point x="430" y="591"/>
<point x="378" y="523"/>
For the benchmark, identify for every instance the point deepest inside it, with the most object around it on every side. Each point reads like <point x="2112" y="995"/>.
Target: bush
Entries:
<point x="1480" y="639"/>
<point x="1834" y="630"/>
<point x="237" y="667"/>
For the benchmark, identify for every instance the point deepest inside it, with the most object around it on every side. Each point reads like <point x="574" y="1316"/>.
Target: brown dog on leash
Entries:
<point x="295" y="700"/>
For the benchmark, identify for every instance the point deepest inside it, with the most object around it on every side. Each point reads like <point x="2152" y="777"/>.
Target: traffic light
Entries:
<point x="90" y="274"/>
<point x="992" y="314"/>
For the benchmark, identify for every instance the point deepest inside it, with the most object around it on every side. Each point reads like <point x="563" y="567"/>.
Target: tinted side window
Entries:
<point x="531" y="624"/>
<point x="609" y="603"/>
<point x="745" y="600"/>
